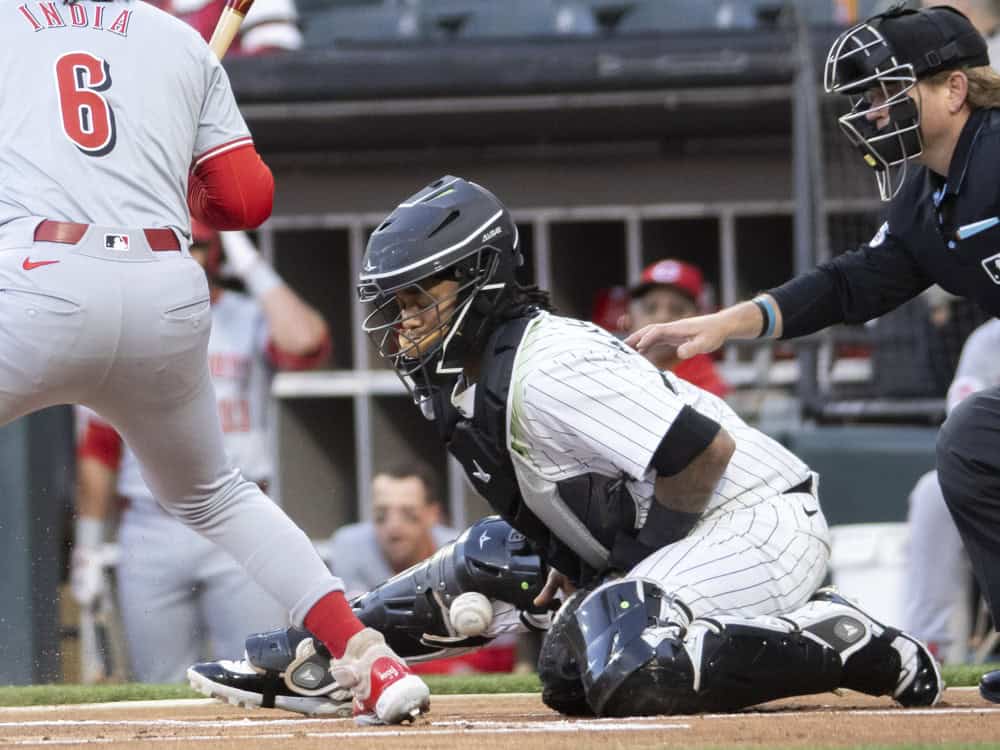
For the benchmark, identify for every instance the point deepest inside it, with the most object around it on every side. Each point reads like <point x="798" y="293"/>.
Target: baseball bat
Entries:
<point x="228" y="25"/>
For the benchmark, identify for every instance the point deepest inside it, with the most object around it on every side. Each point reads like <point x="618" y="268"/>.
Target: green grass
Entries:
<point x="36" y="695"/>
<point x="49" y="695"/>
<point x="959" y="675"/>
<point x="483" y="683"/>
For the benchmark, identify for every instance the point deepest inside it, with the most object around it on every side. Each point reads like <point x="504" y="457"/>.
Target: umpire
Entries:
<point x="924" y="116"/>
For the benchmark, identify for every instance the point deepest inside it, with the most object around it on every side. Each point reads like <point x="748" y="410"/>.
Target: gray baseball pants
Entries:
<point x="125" y="332"/>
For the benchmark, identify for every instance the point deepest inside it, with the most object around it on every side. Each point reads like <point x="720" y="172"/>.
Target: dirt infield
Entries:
<point x="503" y="722"/>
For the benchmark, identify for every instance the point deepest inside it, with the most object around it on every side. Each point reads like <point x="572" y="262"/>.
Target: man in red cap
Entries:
<point x="671" y="290"/>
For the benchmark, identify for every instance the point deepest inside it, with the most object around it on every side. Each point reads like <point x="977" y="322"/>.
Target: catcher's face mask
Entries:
<point x="884" y="120"/>
<point x="412" y="325"/>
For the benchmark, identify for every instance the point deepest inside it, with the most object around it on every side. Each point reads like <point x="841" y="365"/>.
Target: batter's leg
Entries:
<point x="159" y="396"/>
<point x="179" y="447"/>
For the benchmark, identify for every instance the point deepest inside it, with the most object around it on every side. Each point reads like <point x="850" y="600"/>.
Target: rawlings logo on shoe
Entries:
<point x="389" y="674"/>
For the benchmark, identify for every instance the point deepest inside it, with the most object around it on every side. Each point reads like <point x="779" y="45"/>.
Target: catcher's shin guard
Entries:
<point x="626" y="637"/>
<point x="558" y="669"/>
<point x="643" y="656"/>
<point x="411" y="609"/>
<point x="638" y="663"/>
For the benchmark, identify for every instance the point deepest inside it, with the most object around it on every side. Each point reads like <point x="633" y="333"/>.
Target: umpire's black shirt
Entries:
<point x="917" y="246"/>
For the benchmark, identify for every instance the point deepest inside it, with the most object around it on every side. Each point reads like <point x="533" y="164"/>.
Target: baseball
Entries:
<point x="471" y="614"/>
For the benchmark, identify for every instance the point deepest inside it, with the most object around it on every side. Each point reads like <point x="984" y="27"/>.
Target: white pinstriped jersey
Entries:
<point x="87" y="135"/>
<point x="581" y="401"/>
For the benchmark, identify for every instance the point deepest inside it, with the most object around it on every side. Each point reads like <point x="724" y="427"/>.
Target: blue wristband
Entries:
<point x="769" y="315"/>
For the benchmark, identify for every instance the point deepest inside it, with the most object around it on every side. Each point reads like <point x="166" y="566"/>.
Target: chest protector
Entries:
<point x="602" y="504"/>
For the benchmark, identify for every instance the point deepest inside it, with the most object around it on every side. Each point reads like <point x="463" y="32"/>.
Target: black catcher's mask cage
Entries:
<point x="414" y="249"/>
<point x="878" y="62"/>
<point x="408" y="355"/>
<point x="859" y="61"/>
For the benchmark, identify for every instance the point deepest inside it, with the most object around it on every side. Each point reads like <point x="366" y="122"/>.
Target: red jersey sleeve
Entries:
<point x="100" y="441"/>
<point x="230" y="187"/>
<point x="283" y="360"/>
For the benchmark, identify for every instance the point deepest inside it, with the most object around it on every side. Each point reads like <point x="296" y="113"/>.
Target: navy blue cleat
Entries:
<point x="919" y="680"/>
<point x="989" y="686"/>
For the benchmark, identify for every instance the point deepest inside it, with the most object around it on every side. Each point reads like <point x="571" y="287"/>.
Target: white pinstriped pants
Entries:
<point x="765" y="559"/>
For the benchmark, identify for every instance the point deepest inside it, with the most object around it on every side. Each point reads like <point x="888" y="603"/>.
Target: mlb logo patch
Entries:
<point x="119" y="242"/>
<point x="992" y="267"/>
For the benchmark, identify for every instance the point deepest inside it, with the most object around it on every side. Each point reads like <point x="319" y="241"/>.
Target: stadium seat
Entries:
<point x="361" y="24"/>
<point x="310" y="7"/>
<point x="527" y="18"/>
<point x="449" y="15"/>
<point x="658" y="16"/>
<point x="832" y="13"/>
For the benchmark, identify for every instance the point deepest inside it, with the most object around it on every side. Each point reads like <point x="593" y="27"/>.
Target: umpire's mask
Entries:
<point x="877" y="63"/>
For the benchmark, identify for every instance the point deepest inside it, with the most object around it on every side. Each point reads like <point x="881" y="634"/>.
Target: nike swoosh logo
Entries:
<point x="30" y="264"/>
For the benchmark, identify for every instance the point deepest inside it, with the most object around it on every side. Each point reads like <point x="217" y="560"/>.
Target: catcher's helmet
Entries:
<point x="454" y="230"/>
<point x="889" y="53"/>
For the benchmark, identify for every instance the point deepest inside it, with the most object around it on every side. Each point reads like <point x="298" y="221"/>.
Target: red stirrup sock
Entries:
<point x="332" y="621"/>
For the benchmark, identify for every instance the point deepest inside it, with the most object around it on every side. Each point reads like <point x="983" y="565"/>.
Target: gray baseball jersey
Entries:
<point x="115" y="101"/>
<point x="582" y="402"/>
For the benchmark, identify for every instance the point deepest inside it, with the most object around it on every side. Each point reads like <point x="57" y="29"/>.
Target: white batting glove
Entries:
<point x="86" y="578"/>
<point x="243" y="260"/>
<point x="241" y="255"/>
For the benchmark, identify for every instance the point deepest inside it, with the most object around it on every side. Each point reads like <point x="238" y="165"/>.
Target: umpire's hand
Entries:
<point x="706" y="333"/>
<point x="690" y="336"/>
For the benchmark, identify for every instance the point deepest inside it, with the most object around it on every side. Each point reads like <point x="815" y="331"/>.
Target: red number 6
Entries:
<point x="87" y="118"/>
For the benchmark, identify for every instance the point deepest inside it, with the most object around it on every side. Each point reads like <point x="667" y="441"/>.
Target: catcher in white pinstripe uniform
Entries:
<point x="694" y="543"/>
